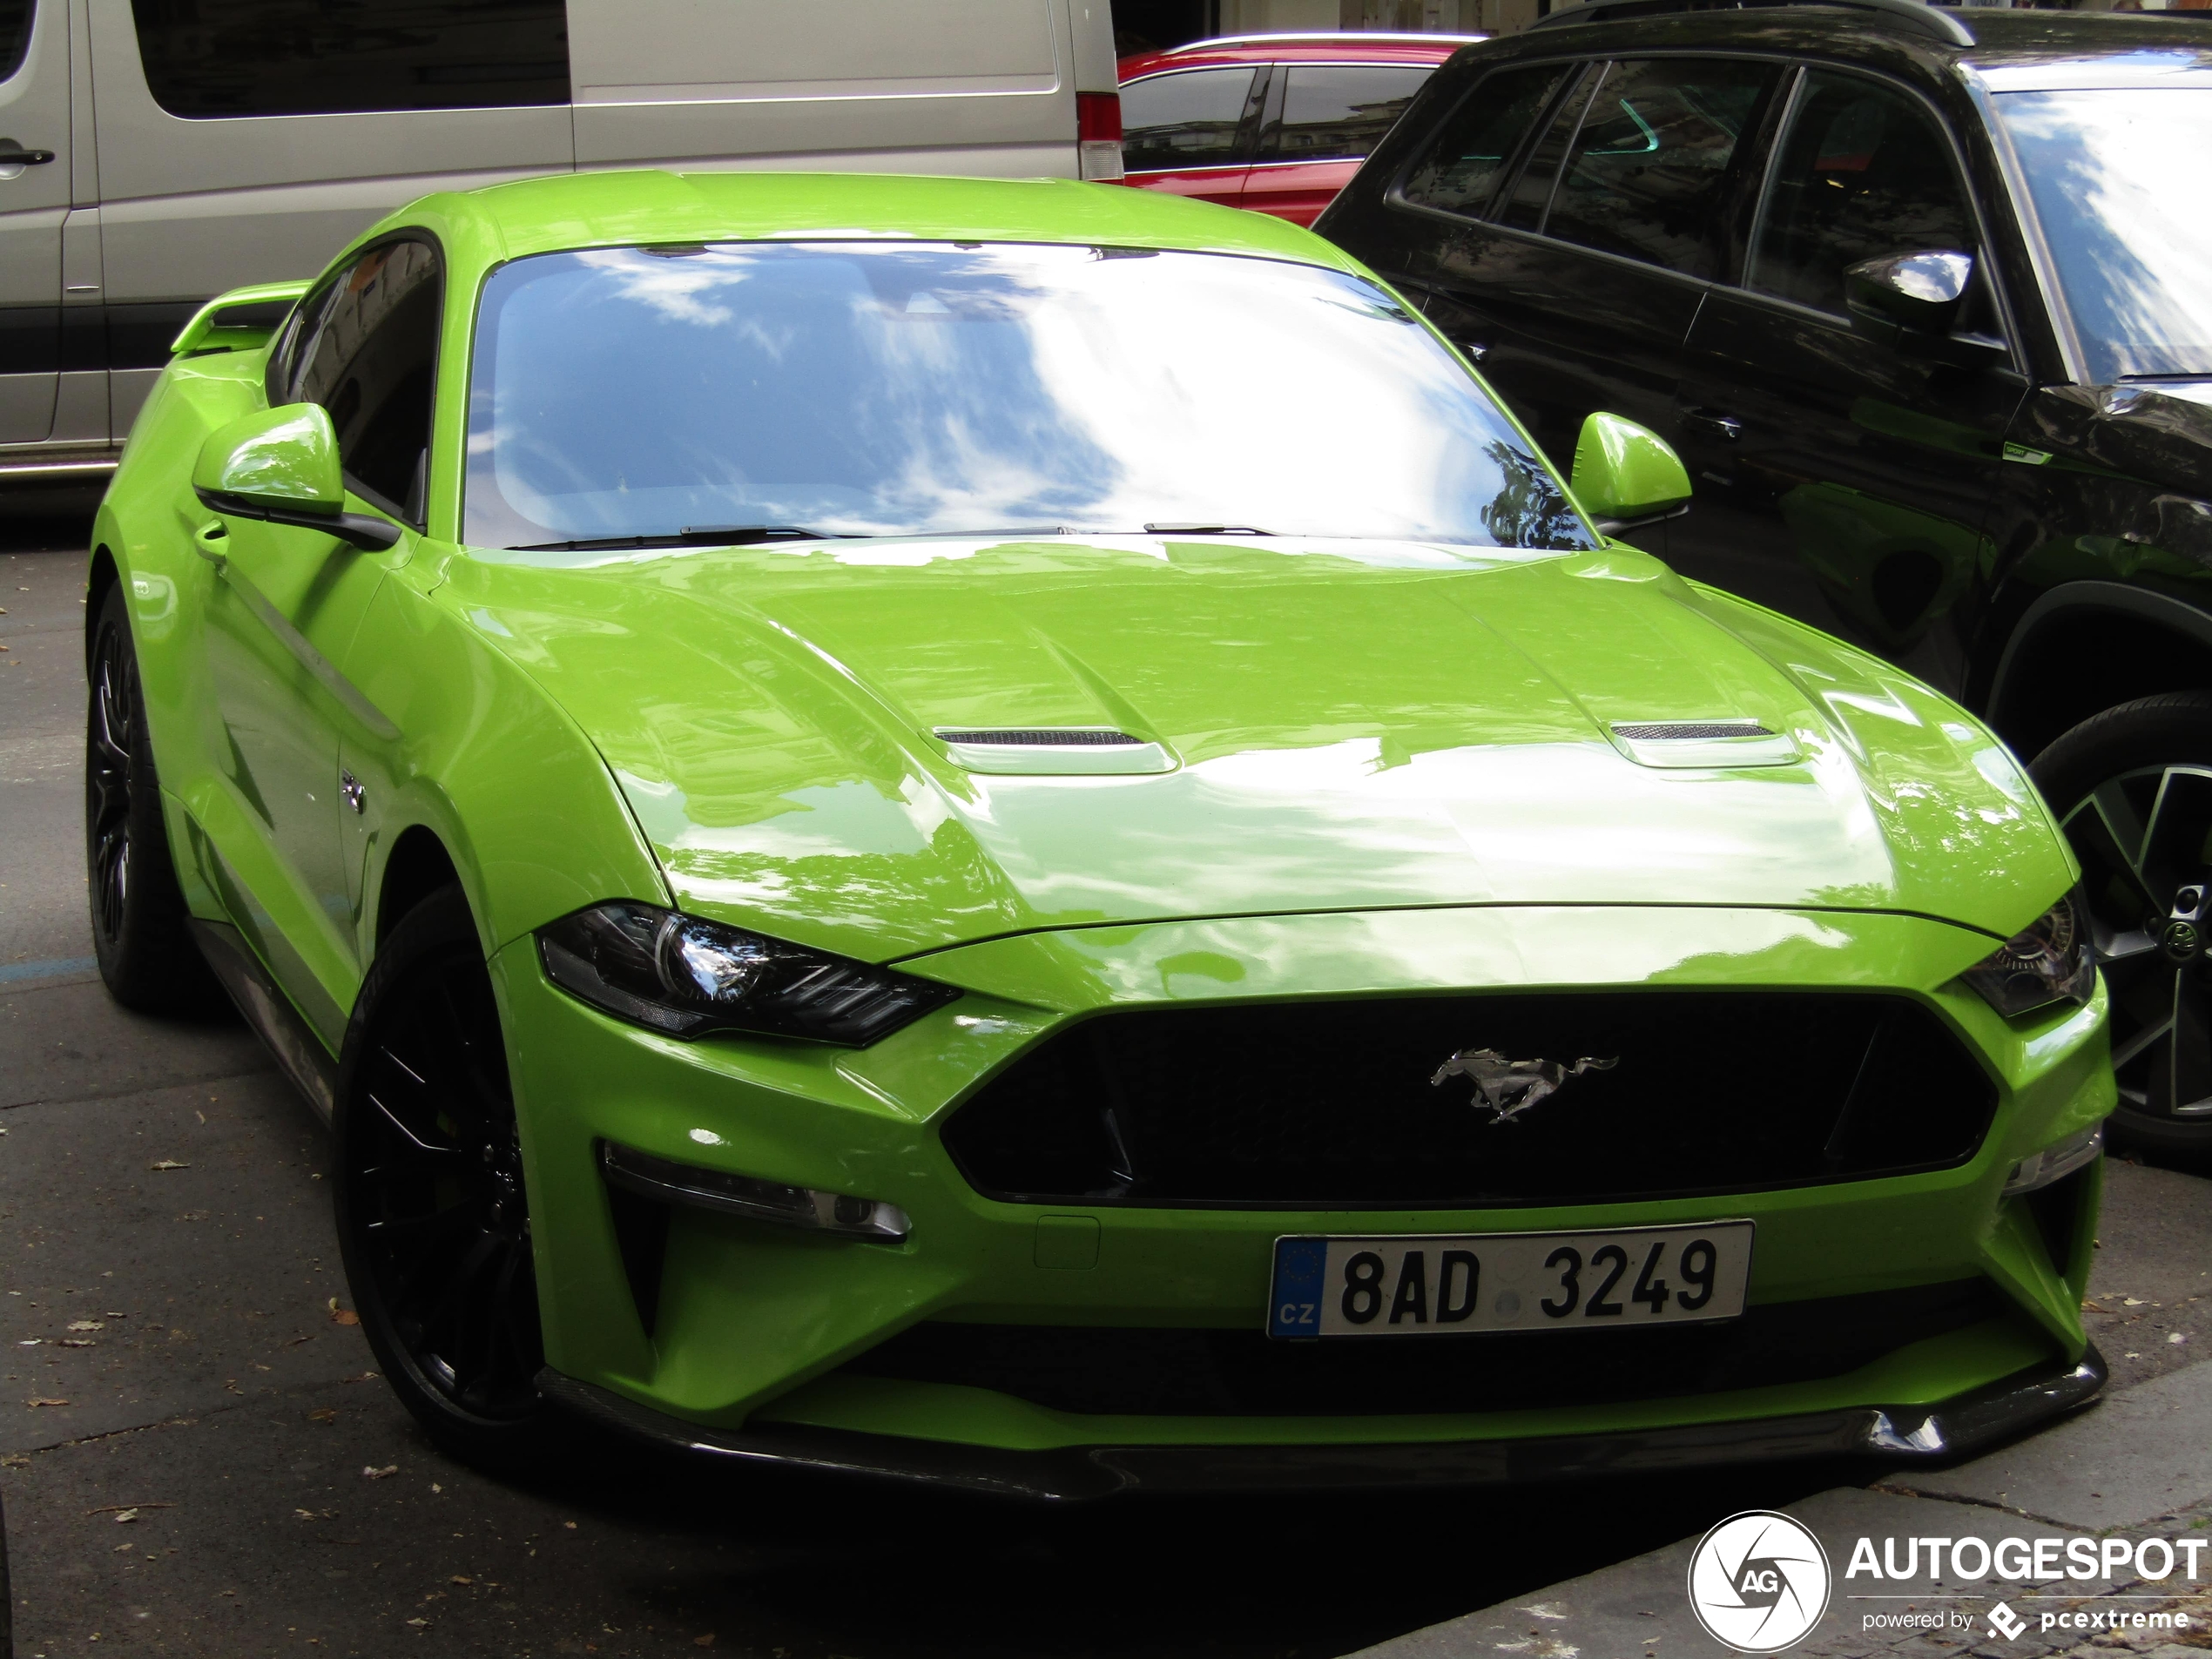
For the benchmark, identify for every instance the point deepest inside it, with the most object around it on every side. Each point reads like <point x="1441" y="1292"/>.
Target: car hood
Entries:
<point x="1328" y="726"/>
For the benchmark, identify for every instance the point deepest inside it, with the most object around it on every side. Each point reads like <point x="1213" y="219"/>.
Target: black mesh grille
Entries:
<point x="1149" y="1372"/>
<point x="1329" y="1105"/>
<point x="1041" y="737"/>
<point x="1684" y="730"/>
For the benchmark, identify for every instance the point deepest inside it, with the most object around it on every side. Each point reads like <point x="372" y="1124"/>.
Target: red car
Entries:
<point x="1278" y="123"/>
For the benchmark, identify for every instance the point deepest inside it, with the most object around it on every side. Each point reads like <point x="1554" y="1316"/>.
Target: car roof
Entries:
<point x="2030" y="47"/>
<point x="1353" y="48"/>
<point x="627" y="209"/>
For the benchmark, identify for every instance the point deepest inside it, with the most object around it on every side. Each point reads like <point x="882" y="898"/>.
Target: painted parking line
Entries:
<point x="60" y="968"/>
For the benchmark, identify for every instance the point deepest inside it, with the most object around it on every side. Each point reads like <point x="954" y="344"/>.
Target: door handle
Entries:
<point x="14" y="155"/>
<point x="1718" y="426"/>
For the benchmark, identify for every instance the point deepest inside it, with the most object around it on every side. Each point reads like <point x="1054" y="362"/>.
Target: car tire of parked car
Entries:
<point x="145" y="954"/>
<point x="432" y="1216"/>
<point x="2133" y="790"/>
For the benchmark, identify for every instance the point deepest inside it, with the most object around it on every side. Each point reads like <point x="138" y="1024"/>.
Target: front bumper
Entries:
<point x="1953" y="1428"/>
<point x="744" y="1339"/>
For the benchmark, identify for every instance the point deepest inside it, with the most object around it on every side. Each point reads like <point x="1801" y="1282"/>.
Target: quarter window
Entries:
<point x="1460" y="170"/>
<point x="1863" y="172"/>
<point x="227" y="58"/>
<point x="1339" y="112"/>
<point x="1189" y="119"/>
<point x="1647" y="174"/>
<point x="372" y="362"/>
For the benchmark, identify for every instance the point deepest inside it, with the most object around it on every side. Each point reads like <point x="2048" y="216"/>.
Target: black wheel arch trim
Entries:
<point x="2054" y="605"/>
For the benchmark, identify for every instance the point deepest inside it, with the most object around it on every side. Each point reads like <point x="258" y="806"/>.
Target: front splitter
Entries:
<point x="1964" y="1424"/>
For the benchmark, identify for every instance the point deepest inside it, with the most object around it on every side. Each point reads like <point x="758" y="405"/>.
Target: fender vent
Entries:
<point x="1691" y="731"/>
<point x="1037" y="736"/>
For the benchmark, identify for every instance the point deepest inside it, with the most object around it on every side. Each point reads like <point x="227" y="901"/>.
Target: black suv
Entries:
<point x="1924" y="298"/>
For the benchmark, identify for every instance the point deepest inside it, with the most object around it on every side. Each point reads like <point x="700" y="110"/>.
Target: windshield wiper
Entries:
<point x="700" y="536"/>
<point x="1172" y="528"/>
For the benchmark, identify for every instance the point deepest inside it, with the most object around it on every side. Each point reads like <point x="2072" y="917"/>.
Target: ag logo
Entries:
<point x="1758" y="1581"/>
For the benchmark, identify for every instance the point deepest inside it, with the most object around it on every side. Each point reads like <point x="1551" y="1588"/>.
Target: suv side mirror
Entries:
<point x="1911" y="302"/>
<point x="1625" y="476"/>
<point x="280" y="466"/>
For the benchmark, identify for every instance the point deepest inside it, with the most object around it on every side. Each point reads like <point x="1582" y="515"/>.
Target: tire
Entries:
<point x="433" y="1219"/>
<point x="2133" y="790"/>
<point x="146" y="956"/>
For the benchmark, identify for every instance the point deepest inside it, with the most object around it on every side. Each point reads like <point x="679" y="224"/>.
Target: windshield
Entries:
<point x="874" y="390"/>
<point x="2115" y="177"/>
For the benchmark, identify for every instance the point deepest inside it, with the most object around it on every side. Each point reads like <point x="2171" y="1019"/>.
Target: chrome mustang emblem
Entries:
<point x="1509" y="1088"/>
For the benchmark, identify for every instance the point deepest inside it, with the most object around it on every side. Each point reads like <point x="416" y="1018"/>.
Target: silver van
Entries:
<point x="156" y="152"/>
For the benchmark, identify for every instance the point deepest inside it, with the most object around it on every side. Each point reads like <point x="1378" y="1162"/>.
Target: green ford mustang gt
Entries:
<point x="1009" y="833"/>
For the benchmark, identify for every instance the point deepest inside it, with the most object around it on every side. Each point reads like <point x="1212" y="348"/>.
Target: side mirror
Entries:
<point x="280" y="466"/>
<point x="1627" y="475"/>
<point x="1912" y="303"/>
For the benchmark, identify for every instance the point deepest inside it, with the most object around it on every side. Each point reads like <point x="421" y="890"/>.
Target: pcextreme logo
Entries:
<point x="1760" y="1581"/>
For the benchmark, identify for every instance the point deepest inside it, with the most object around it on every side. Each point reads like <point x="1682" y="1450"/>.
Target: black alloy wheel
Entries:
<point x="433" y="1217"/>
<point x="2133" y="791"/>
<point x="145" y="954"/>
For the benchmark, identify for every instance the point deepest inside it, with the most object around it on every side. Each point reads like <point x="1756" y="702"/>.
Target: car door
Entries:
<point x="1322" y="120"/>
<point x="247" y="140"/>
<point x="282" y="616"/>
<point x="1188" y="131"/>
<point x="34" y="200"/>
<point x="1577" y="292"/>
<point x="1839" y="479"/>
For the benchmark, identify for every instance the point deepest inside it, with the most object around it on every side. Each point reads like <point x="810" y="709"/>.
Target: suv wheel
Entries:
<point x="2133" y="790"/>
<point x="433" y="1219"/>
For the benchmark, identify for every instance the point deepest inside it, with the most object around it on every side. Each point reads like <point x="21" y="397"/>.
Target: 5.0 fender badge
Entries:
<point x="1509" y="1088"/>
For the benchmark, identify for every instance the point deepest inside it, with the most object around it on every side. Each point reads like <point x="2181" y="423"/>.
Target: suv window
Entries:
<point x="1187" y="119"/>
<point x="1339" y="112"/>
<point x="1647" y="173"/>
<point x="216" y="57"/>
<point x="15" y="35"/>
<point x="1460" y="171"/>
<point x="372" y="362"/>
<point x="1865" y="171"/>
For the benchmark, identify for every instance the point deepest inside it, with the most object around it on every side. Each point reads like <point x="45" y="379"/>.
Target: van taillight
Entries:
<point x="1098" y="134"/>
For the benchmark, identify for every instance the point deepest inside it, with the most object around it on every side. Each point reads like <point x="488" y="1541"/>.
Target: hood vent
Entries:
<point x="1703" y="744"/>
<point x="1044" y="752"/>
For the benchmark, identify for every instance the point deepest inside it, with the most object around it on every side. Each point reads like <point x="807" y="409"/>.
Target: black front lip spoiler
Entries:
<point x="1961" y="1425"/>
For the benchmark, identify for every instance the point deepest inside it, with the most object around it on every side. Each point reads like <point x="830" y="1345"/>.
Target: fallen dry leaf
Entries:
<point x="378" y="1474"/>
<point x="322" y="1414"/>
<point x="45" y="1402"/>
<point x="342" y="1316"/>
<point x="418" y="1622"/>
<point x="75" y="1342"/>
<point x="126" y="1515"/>
<point x="168" y="1164"/>
<point x="303" y="1515"/>
<point x="86" y="1325"/>
<point x="461" y="1578"/>
<point x="706" y="1641"/>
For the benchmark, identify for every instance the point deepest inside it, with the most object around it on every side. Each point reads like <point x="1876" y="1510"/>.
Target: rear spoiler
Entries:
<point x="242" y="319"/>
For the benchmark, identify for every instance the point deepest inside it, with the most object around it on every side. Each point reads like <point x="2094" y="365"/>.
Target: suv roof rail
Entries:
<point x="1917" y="14"/>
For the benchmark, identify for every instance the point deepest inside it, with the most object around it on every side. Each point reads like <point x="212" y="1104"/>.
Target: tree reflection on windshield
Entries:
<point x="867" y="389"/>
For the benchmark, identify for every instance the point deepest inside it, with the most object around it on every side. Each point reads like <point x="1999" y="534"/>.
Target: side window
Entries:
<point x="1461" y="167"/>
<point x="1339" y="112"/>
<point x="373" y="362"/>
<point x="1647" y="174"/>
<point x="1865" y="171"/>
<point x="216" y="57"/>
<point x="1529" y="197"/>
<point x="15" y="35"/>
<point x="1188" y="119"/>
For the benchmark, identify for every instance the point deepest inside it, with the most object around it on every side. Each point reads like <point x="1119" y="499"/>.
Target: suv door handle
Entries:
<point x="13" y="154"/>
<point x="1719" y="426"/>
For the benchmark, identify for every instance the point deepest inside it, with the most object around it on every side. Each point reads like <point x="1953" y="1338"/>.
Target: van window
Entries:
<point x="373" y="364"/>
<point x="1188" y="119"/>
<point x="1461" y="167"/>
<point x="1339" y="112"/>
<point x="1648" y="170"/>
<point x="15" y="35"/>
<point x="216" y="57"/>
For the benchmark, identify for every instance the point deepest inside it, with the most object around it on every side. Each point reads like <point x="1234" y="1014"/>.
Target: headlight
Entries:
<point x="2049" y="961"/>
<point x="687" y="977"/>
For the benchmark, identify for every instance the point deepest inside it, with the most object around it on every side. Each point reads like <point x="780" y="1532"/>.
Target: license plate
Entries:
<point x="1438" y="1285"/>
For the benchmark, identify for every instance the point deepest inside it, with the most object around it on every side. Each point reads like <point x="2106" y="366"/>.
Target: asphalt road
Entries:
<point x="197" y="1461"/>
